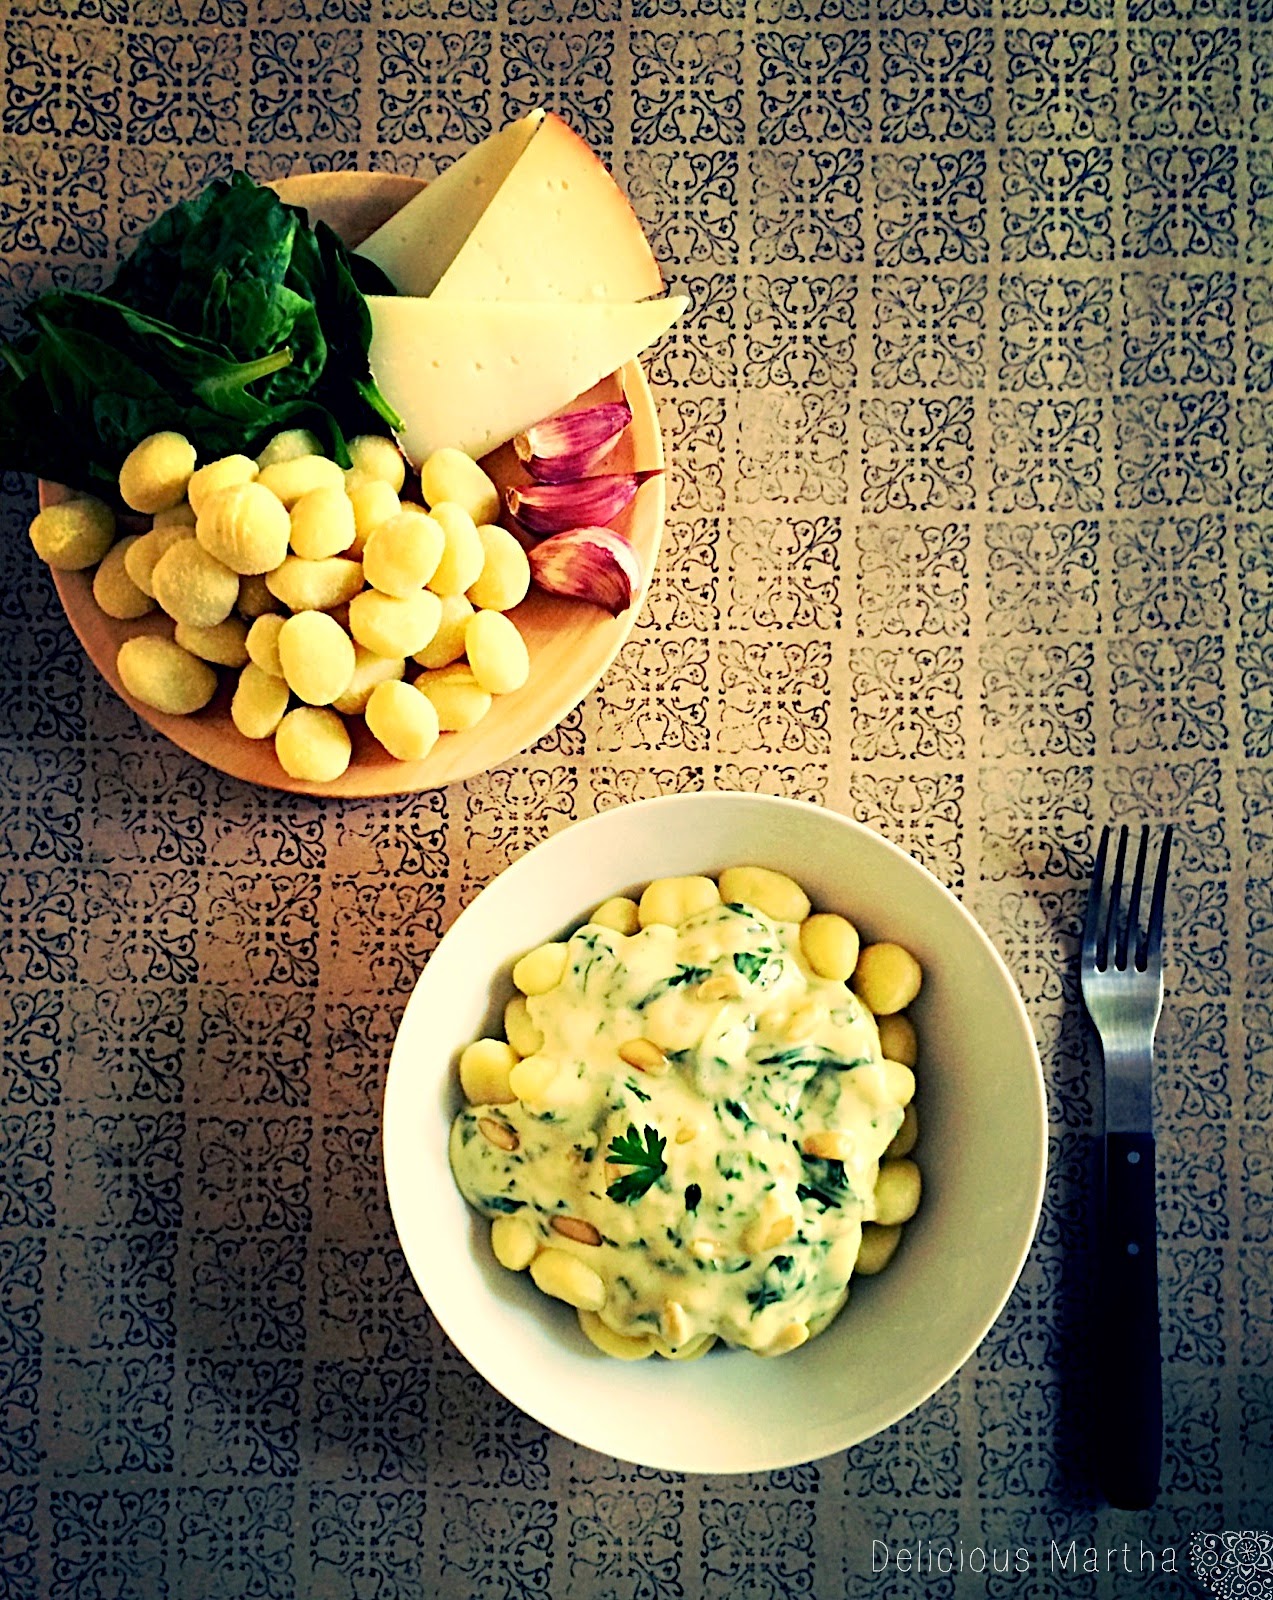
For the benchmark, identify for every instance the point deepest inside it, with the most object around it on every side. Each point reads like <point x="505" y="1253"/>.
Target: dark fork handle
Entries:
<point x="1131" y="1409"/>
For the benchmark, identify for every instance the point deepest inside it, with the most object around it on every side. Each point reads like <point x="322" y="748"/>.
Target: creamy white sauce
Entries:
<point x="748" y="1079"/>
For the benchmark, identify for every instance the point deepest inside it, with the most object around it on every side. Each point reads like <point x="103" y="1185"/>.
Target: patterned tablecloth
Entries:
<point x="972" y="535"/>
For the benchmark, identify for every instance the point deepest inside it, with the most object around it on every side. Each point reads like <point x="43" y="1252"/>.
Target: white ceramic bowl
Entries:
<point x="982" y="1150"/>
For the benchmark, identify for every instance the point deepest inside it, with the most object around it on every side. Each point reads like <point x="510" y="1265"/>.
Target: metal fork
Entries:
<point x="1122" y="981"/>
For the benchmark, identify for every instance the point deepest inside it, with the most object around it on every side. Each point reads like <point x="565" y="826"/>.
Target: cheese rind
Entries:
<point x="417" y="244"/>
<point x="473" y="374"/>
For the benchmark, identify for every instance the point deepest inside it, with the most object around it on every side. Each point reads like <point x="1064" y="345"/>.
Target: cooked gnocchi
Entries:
<point x="690" y="1131"/>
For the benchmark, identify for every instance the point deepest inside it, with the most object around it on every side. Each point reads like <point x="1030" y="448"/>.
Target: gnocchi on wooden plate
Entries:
<point x="357" y="583"/>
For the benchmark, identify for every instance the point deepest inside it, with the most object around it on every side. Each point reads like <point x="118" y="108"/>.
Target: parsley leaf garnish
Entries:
<point x="645" y="1159"/>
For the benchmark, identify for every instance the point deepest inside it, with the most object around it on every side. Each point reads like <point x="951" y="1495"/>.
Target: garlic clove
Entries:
<point x="593" y="564"/>
<point x="563" y="449"/>
<point x="588" y="502"/>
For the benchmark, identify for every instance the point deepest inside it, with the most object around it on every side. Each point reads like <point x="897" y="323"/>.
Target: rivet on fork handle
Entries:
<point x="1130" y="1357"/>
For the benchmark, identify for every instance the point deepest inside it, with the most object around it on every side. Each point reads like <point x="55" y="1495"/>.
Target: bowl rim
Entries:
<point x="1010" y="1265"/>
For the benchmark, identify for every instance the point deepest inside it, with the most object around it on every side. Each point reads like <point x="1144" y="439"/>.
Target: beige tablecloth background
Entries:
<point x="971" y="537"/>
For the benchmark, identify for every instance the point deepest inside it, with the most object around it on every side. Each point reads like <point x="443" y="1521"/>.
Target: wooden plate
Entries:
<point x="570" y="644"/>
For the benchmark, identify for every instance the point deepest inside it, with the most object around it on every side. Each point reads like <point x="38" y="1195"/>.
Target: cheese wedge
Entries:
<point x="529" y="214"/>
<point x="558" y="228"/>
<point x="417" y="244"/>
<point x="474" y="373"/>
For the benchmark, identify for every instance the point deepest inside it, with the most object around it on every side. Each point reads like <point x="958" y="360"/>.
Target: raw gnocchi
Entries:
<point x="162" y="674"/>
<point x="402" y="719"/>
<point x="156" y="471"/>
<point x="240" y="549"/>
<point x="74" y="535"/>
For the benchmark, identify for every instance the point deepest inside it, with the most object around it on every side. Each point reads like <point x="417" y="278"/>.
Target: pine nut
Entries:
<point x="828" y="1145"/>
<point x="720" y="986"/>
<point x="791" y="1338"/>
<point x="674" y="1324"/>
<point x="780" y="1230"/>
<point x="576" y="1228"/>
<point x="644" y="1055"/>
<point x="803" y="1022"/>
<point x="769" y="1227"/>
<point x="498" y="1133"/>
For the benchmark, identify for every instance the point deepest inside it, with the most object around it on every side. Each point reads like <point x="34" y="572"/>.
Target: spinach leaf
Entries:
<point x="593" y="962"/>
<point x="763" y="968"/>
<point x="231" y="319"/>
<point x="771" y="1287"/>
<point x="810" y="1056"/>
<point x="829" y="1185"/>
<point x="682" y="977"/>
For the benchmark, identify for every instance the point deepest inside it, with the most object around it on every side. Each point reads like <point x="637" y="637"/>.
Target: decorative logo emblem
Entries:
<point x="1234" y="1566"/>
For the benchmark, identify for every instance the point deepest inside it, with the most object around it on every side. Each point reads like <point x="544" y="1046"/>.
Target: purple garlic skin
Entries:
<point x="594" y="564"/>
<point x="587" y="502"/>
<point x="563" y="449"/>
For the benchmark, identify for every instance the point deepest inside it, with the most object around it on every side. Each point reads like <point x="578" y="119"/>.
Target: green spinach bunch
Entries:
<point x="232" y="318"/>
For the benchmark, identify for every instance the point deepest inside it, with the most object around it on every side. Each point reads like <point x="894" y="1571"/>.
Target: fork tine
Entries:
<point x="1131" y="940"/>
<point x="1153" y="937"/>
<point x="1109" y="946"/>
<point x="1092" y="921"/>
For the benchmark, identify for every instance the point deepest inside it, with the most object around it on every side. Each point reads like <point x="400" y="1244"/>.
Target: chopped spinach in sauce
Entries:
<point x="676" y="1184"/>
<point x="758" y="967"/>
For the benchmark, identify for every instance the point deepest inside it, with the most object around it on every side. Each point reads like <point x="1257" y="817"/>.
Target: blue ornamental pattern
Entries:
<point x="970" y="471"/>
